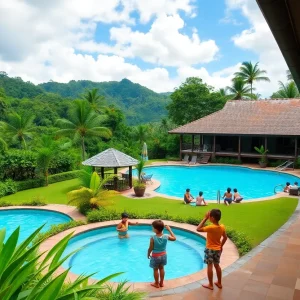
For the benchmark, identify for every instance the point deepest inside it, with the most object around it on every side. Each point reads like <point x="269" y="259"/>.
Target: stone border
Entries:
<point x="171" y="286"/>
<point x="70" y="211"/>
<point x="151" y="188"/>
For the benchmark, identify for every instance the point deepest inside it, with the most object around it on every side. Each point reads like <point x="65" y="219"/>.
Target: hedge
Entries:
<point x="7" y="187"/>
<point x="35" y="183"/>
<point x="34" y="202"/>
<point x="239" y="238"/>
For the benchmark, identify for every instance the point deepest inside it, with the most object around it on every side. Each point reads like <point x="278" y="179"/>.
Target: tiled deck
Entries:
<point x="271" y="271"/>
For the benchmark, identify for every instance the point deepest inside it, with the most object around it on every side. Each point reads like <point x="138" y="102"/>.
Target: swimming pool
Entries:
<point x="209" y="179"/>
<point x="105" y="253"/>
<point x="29" y="220"/>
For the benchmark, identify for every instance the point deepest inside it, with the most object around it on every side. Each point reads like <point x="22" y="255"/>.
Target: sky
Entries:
<point x="157" y="43"/>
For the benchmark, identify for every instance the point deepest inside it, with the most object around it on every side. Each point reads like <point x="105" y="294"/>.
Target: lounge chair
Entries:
<point x="147" y="178"/>
<point x="294" y="191"/>
<point x="186" y="158"/>
<point x="193" y="160"/>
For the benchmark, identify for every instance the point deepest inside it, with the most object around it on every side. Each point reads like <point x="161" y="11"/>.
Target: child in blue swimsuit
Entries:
<point x="158" y="245"/>
<point x="122" y="227"/>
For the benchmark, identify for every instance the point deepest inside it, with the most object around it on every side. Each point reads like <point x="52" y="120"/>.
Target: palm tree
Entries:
<point x="19" y="127"/>
<point x="3" y="145"/>
<point x="288" y="90"/>
<point x="83" y="122"/>
<point x="239" y="90"/>
<point x="289" y="75"/>
<point x="251" y="73"/>
<point x="93" y="196"/>
<point x="96" y="101"/>
<point x="3" y="105"/>
<point x="141" y="133"/>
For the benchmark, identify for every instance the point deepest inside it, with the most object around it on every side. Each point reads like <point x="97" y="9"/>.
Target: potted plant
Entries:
<point x="139" y="186"/>
<point x="263" y="152"/>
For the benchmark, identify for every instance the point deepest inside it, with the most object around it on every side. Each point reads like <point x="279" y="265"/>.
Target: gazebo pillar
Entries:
<point x="115" y="179"/>
<point x="102" y="172"/>
<point x="130" y="177"/>
<point x="214" y="148"/>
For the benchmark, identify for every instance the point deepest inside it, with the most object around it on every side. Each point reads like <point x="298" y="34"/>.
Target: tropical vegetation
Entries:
<point x="27" y="274"/>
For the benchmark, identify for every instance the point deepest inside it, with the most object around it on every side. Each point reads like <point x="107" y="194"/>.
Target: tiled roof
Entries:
<point x="259" y="117"/>
<point x="111" y="158"/>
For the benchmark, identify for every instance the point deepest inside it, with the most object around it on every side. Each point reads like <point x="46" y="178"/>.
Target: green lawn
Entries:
<point x="257" y="219"/>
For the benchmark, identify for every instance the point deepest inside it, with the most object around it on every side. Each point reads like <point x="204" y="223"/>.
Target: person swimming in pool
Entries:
<point x="227" y="197"/>
<point x="122" y="227"/>
<point x="237" y="198"/>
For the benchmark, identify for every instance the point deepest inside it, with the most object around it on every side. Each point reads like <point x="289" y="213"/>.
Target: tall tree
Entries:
<point x="3" y="104"/>
<point x="96" y="101"/>
<point x="193" y="100"/>
<point x="19" y="127"/>
<point x="288" y="90"/>
<point x="239" y="89"/>
<point x="141" y="133"/>
<point x="82" y="122"/>
<point x="251" y="73"/>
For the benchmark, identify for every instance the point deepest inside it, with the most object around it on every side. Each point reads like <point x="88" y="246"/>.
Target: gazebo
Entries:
<point x="112" y="158"/>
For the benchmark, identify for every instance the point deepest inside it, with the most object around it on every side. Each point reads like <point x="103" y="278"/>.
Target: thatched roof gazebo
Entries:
<point x="112" y="158"/>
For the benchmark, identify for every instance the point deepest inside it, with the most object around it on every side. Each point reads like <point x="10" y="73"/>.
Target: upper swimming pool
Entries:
<point x="29" y="220"/>
<point x="211" y="179"/>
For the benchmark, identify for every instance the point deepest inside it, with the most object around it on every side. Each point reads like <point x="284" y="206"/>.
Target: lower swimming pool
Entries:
<point x="29" y="220"/>
<point x="211" y="179"/>
<point x="105" y="254"/>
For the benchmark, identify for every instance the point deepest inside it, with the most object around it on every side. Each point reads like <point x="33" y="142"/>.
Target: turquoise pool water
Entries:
<point x="29" y="220"/>
<point x="105" y="253"/>
<point x="209" y="179"/>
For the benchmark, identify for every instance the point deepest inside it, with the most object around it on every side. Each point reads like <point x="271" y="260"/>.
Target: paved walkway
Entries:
<point x="270" y="271"/>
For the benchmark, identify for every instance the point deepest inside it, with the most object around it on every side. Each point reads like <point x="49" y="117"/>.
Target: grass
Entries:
<point x="257" y="220"/>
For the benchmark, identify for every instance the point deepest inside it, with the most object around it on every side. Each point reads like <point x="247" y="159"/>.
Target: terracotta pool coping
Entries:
<point x="70" y="211"/>
<point x="229" y="256"/>
<point x="151" y="187"/>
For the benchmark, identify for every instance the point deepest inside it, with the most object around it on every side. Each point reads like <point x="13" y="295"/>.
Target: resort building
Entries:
<point x="240" y="126"/>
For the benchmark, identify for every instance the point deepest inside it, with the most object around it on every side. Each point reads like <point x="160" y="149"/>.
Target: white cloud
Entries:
<point x="259" y="39"/>
<point x="164" y="44"/>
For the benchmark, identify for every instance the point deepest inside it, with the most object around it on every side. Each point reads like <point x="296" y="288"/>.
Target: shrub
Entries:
<point x="63" y="162"/>
<point x="55" y="229"/>
<point x="5" y="204"/>
<point x="30" y="184"/>
<point x="63" y="176"/>
<point x="7" y="187"/>
<point x="18" y="165"/>
<point x="35" y="201"/>
<point x="239" y="239"/>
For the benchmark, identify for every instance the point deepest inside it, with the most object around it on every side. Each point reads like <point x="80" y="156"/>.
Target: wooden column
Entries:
<point x="266" y="143"/>
<point x="102" y="172"/>
<point x="296" y="149"/>
<point x="214" y="147"/>
<point x="116" y="179"/>
<point x="180" y="154"/>
<point x="193" y="142"/>
<point x="130" y="177"/>
<point x="239" y="148"/>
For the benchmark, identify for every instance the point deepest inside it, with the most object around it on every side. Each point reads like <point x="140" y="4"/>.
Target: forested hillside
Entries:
<point x="139" y="104"/>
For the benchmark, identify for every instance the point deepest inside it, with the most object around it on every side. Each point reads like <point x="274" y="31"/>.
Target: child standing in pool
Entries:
<point x="158" y="245"/>
<point x="122" y="227"/>
<point x="216" y="238"/>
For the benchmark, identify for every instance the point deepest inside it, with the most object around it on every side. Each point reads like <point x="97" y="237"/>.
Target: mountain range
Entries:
<point x="138" y="103"/>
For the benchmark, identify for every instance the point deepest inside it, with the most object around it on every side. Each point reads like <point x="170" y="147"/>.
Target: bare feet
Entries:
<point x="208" y="286"/>
<point x="161" y="284"/>
<point x="156" y="285"/>
<point x="218" y="285"/>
